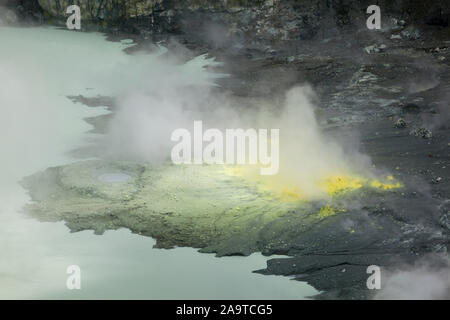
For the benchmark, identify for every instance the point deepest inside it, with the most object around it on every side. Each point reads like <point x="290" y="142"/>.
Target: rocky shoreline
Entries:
<point x="391" y="86"/>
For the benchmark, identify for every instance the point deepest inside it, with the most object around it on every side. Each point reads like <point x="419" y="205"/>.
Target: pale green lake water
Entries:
<point x="39" y="67"/>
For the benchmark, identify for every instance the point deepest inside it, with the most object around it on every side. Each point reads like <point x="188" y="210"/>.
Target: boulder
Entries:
<point x="422" y="132"/>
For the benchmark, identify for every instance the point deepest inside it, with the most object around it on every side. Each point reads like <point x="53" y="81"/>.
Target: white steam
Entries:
<point x="161" y="100"/>
<point x="423" y="281"/>
<point x="39" y="125"/>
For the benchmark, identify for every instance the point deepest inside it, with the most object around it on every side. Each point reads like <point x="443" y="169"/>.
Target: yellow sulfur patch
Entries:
<point x="288" y="191"/>
<point x="291" y="194"/>
<point x="340" y="184"/>
<point x="326" y="212"/>
<point x="385" y="186"/>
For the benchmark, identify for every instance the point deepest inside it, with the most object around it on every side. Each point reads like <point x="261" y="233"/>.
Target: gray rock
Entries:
<point x="375" y="48"/>
<point x="400" y="123"/>
<point x="445" y="216"/>
<point x="7" y="17"/>
<point x="422" y="132"/>
<point x="411" y="34"/>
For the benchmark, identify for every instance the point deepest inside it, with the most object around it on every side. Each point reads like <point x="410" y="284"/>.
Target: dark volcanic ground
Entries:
<point x="390" y="90"/>
<point x="396" y="101"/>
<point x="392" y="97"/>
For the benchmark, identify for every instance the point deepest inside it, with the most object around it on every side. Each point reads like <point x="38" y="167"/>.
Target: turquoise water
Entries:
<point x="39" y="126"/>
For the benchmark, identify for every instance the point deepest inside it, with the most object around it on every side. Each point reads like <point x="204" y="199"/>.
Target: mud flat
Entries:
<point x="206" y="207"/>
